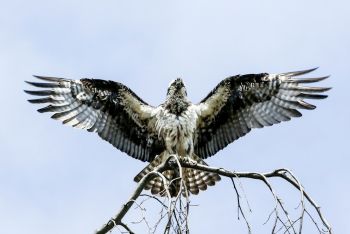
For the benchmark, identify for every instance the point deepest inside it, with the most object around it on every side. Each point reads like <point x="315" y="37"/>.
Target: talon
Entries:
<point x="172" y="162"/>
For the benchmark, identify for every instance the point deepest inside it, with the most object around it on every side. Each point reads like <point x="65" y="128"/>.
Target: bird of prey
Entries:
<point x="191" y="131"/>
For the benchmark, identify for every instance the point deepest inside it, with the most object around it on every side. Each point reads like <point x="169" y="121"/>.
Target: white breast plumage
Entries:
<point x="177" y="130"/>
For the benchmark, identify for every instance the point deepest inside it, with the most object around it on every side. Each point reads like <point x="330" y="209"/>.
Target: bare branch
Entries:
<point x="281" y="173"/>
<point x="240" y="207"/>
<point x="125" y="208"/>
<point x="177" y="213"/>
<point x="126" y="228"/>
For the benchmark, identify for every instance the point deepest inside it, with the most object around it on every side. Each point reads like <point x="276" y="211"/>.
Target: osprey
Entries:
<point x="190" y="131"/>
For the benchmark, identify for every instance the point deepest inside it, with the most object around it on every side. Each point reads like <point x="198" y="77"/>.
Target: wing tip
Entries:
<point x="39" y="92"/>
<point x="33" y="101"/>
<point x="305" y="105"/>
<point x="312" y="96"/>
<point x="306" y="80"/>
<point x="317" y="79"/>
<point x="298" y="73"/>
<point x="48" y="78"/>
<point x="56" y="116"/>
<point x="31" y="92"/>
<point x="45" y="109"/>
<point x="309" y="70"/>
<point x="314" y="69"/>
<point x="41" y="110"/>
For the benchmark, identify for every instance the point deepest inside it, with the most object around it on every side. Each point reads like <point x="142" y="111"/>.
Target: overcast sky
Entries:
<point x="56" y="179"/>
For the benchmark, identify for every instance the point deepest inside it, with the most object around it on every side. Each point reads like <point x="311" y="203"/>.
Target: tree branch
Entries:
<point x="174" y="163"/>
<point x="282" y="173"/>
<point x="125" y="208"/>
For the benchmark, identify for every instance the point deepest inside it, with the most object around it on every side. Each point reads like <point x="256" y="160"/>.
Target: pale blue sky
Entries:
<point x="55" y="179"/>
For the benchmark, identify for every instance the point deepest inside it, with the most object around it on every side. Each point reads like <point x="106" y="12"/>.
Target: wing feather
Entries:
<point x="109" y="108"/>
<point x="241" y="103"/>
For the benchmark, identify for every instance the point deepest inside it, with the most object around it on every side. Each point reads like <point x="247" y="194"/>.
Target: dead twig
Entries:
<point x="177" y="213"/>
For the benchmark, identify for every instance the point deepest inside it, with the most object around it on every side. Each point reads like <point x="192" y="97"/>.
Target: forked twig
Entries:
<point x="180" y="215"/>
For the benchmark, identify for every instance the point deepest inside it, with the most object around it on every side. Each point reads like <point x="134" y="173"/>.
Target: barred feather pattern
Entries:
<point x="108" y="108"/>
<point x="243" y="102"/>
<point x="194" y="180"/>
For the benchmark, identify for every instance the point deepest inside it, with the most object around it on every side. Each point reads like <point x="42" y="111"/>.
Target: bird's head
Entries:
<point x="177" y="88"/>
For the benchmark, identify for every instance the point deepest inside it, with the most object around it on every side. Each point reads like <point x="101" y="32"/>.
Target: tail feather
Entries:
<point x="195" y="180"/>
<point x="156" y="162"/>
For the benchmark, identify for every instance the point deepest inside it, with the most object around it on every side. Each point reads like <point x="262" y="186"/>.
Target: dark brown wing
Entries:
<point x="240" y="103"/>
<point x="106" y="107"/>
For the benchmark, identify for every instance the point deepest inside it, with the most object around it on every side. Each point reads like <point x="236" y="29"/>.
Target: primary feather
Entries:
<point x="243" y="102"/>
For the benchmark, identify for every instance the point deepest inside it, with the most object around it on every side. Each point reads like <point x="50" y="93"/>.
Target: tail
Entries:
<point x="195" y="180"/>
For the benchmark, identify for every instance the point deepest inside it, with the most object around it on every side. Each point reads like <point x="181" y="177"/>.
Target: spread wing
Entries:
<point x="106" y="107"/>
<point x="240" y="103"/>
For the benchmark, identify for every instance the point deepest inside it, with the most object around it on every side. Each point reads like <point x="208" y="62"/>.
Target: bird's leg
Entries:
<point x="188" y="160"/>
<point x="172" y="161"/>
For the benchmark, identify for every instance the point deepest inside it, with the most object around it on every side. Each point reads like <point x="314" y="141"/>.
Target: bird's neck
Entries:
<point x="176" y="104"/>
